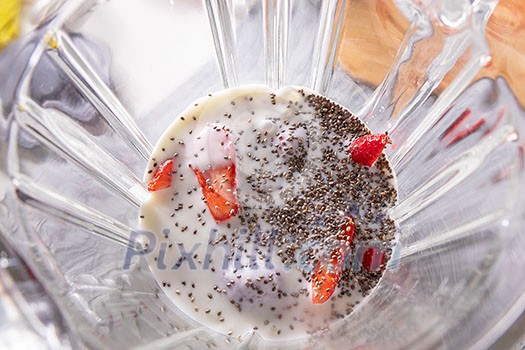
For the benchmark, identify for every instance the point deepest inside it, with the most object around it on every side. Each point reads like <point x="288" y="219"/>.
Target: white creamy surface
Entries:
<point x="202" y="288"/>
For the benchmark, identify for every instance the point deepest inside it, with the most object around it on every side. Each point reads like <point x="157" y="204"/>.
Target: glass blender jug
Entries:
<point x="92" y="84"/>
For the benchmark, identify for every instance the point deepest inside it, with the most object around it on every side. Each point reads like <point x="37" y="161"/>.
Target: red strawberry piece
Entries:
<point x="325" y="279"/>
<point x="366" y="149"/>
<point x="373" y="257"/>
<point x="162" y="177"/>
<point x="218" y="186"/>
<point x="327" y="272"/>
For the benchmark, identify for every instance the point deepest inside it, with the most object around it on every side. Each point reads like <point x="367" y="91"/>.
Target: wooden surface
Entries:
<point x="375" y="29"/>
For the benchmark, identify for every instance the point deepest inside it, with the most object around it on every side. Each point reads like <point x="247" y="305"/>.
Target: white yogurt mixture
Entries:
<point x="251" y="272"/>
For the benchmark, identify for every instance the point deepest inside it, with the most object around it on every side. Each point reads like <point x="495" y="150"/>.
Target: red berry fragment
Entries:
<point x="218" y="187"/>
<point x="327" y="273"/>
<point x="366" y="149"/>
<point x="373" y="258"/>
<point x="162" y="177"/>
<point x="216" y="172"/>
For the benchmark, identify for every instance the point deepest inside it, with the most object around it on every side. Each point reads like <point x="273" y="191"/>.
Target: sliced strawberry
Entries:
<point x="366" y="149"/>
<point x="218" y="186"/>
<point x="327" y="273"/>
<point x="373" y="258"/>
<point x="215" y="170"/>
<point x="325" y="279"/>
<point x="162" y="177"/>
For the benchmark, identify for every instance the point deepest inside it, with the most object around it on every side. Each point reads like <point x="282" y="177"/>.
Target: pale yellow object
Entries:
<point x="9" y="21"/>
<point x="51" y="41"/>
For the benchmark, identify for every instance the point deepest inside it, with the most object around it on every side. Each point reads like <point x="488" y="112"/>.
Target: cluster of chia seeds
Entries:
<point x="317" y="203"/>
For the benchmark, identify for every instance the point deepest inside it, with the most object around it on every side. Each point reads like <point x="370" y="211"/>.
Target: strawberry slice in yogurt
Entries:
<point x="214" y="167"/>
